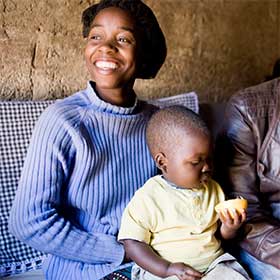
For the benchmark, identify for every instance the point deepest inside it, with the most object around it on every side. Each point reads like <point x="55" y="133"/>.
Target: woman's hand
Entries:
<point x="183" y="271"/>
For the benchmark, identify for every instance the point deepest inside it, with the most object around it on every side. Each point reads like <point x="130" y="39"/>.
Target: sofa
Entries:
<point x="17" y="119"/>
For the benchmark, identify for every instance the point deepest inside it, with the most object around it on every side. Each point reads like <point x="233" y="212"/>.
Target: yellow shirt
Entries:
<point x="179" y="224"/>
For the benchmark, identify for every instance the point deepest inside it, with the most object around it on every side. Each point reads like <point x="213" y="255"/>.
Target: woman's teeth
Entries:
<point x="106" y="65"/>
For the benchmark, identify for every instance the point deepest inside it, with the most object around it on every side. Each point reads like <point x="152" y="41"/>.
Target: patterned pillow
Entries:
<point x="189" y="100"/>
<point x="17" y="119"/>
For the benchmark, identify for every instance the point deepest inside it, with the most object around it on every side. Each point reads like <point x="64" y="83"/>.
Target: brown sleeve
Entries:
<point x="237" y="150"/>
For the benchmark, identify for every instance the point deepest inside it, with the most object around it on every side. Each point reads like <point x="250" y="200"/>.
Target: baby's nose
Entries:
<point x="207" y="167"/>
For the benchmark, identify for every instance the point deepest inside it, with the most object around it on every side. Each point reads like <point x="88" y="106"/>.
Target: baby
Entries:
<point x="170" y="227"/>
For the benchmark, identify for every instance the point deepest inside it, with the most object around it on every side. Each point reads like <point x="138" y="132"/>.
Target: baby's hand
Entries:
<point x="183" y="271"/>
<point x="232" y="219"/>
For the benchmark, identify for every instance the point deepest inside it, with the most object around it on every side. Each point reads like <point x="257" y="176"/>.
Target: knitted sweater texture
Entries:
<point x="84" y="163"/>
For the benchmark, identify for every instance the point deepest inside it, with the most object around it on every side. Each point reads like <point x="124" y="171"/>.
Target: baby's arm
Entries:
<point x="148" y="259"/>
<point x="230" y="225"/>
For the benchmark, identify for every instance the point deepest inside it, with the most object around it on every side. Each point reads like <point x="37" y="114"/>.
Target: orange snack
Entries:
<point x="238" y="204"/>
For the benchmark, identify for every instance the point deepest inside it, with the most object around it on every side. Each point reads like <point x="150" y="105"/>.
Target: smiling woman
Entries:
<point x="111" y="55"/>
<point x="88" y="154"/>
<point x="151" y="44"/>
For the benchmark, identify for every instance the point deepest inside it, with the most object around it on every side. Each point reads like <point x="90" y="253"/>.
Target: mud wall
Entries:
<point x="215" y="47"/>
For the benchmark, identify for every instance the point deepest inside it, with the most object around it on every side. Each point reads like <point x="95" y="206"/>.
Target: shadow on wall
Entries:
<point x="275" y="72"/>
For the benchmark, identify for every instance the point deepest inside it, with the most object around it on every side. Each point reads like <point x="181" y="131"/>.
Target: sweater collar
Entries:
<point x="107" y="107"/>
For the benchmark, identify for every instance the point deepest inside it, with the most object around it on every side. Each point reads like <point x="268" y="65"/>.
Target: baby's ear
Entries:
<point x="161" y="162"/>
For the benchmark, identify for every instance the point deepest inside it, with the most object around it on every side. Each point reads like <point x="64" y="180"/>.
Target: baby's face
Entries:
<point x="188" y="163"/>
<point x="110" y="52"/>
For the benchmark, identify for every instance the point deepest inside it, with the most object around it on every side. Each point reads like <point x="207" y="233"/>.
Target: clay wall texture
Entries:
<point x="215" y="47"/>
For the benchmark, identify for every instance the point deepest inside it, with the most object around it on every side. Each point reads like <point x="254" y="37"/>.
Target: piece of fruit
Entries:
<point x="238" y="204"/>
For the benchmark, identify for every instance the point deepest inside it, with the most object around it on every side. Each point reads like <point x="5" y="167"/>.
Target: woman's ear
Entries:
<point x="161" y="162"/>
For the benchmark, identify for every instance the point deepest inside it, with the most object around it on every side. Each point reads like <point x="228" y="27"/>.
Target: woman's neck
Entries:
<point x="119" y="97"/>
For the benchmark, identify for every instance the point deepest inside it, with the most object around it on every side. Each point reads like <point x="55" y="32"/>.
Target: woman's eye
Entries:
<point x="123" y="40"/>
<point x="95" y="37"/>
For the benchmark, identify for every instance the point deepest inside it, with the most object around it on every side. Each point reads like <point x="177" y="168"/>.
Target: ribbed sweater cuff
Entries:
<point x="113" y="252"/>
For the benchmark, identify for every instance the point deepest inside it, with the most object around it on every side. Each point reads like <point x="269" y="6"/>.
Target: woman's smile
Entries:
<point x="106" y="65"/>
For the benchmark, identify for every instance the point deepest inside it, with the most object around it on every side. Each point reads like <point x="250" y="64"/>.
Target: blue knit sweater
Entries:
<point x="85" y="161"/>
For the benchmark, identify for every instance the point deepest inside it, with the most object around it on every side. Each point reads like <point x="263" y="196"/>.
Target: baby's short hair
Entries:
<point x="153" y="45"/>
<point x="165" y="126"/>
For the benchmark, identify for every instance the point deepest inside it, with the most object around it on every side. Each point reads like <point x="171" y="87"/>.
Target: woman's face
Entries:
<point x="110" y="52"/>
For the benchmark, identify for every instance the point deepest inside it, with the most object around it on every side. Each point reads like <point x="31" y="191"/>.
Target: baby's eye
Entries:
<point x="196" y="162"/>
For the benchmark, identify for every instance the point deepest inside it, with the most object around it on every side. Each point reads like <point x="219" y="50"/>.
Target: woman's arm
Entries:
<point x="39" y="216"/>
<point x="149" y="260"/>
